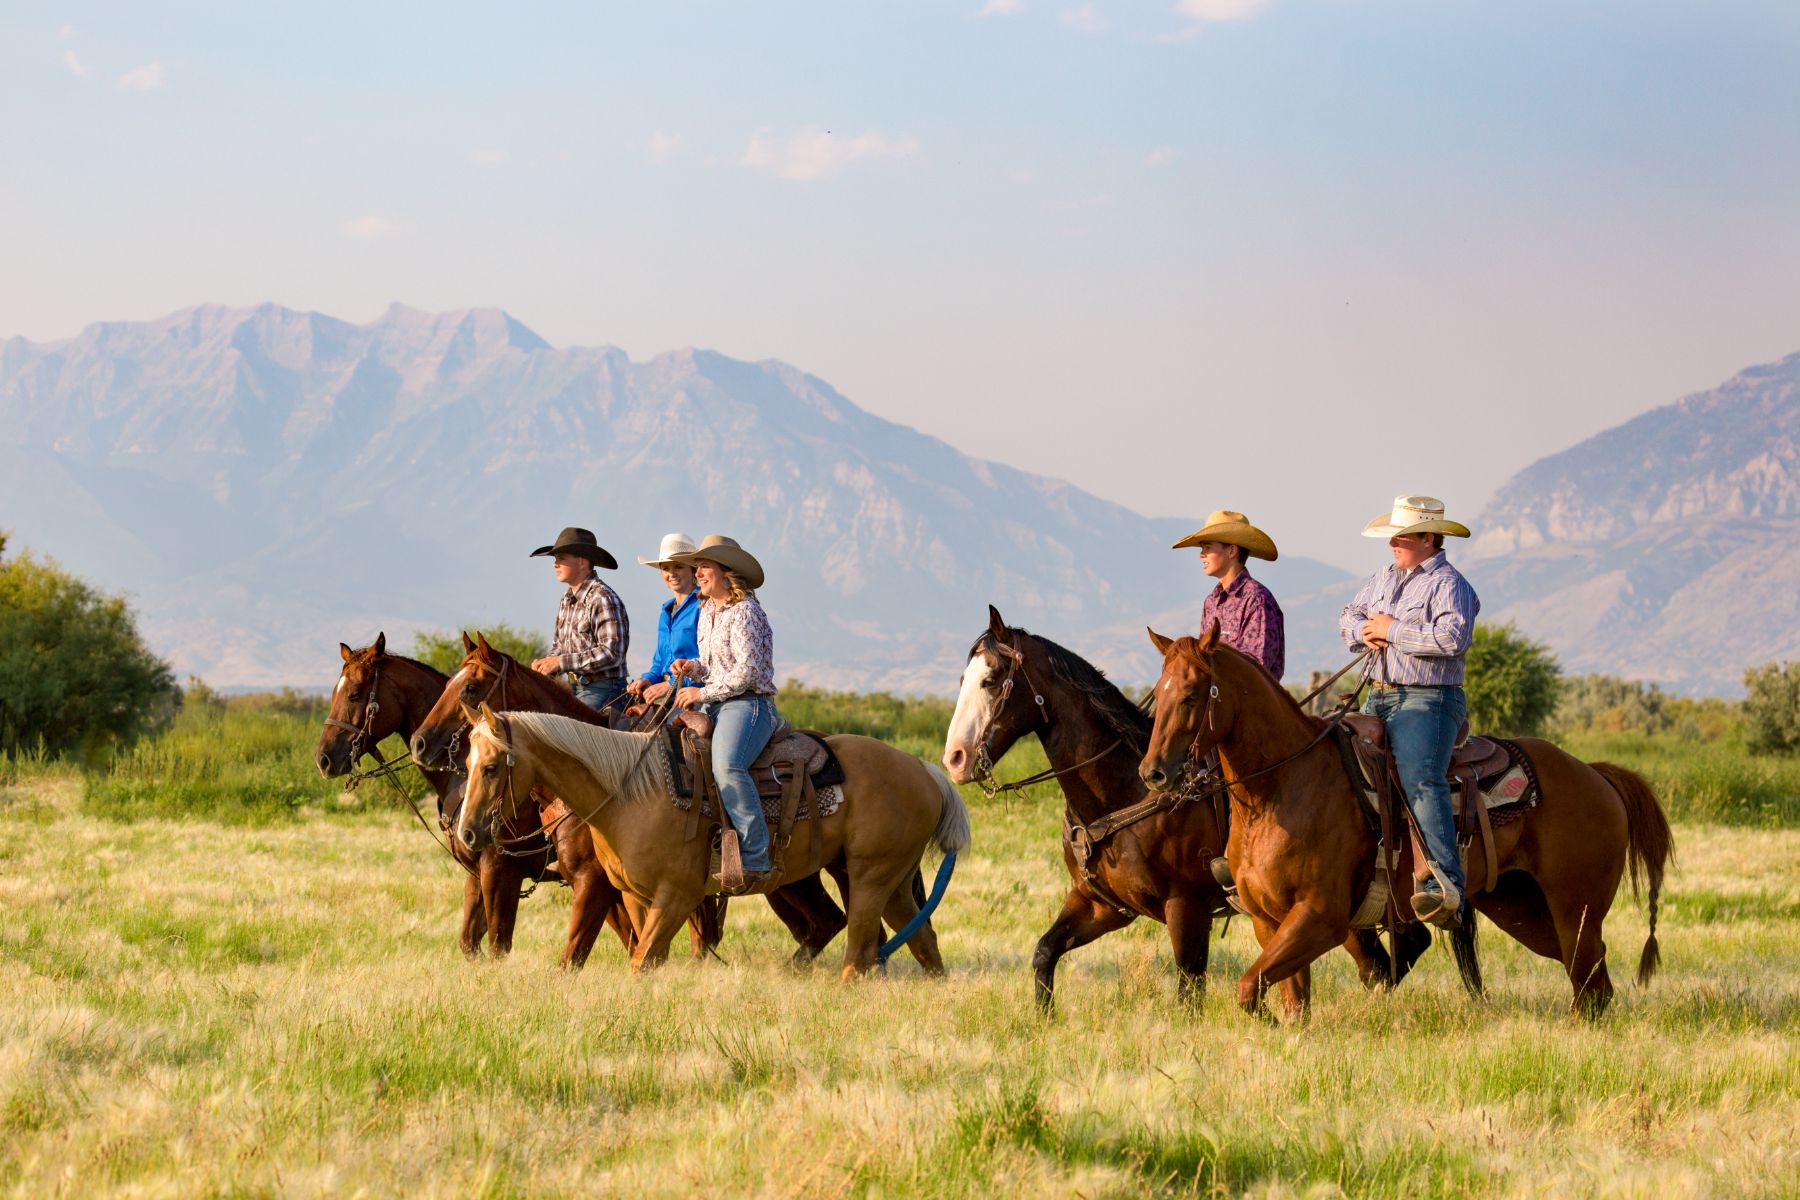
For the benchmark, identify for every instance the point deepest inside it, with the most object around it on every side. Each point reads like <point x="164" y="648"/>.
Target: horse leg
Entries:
<point x="1516" y="904"/>
<point x="811" y="915"/>
<point x="902" y="907"/>
<point x="1190" y="936"/>
<point x="667" y="913"/>
<point x="1080" y="922"/>
<point x="489" y="866"/>
<point x="474" y="916"/>
<point x="1296" y="992"/>
<point x="1303" y="935"/>
<point x="508" y="875"/>
<point x="1373" y="966"/>
<point x="592" y="901"/>
<point x="1578" y="921"/>
<point x="871" y="887"/>
<point x="706" y="925"/>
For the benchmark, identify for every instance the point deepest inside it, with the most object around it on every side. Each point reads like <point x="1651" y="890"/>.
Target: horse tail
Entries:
<point x="1468" y="961"/>
<point x="952" y="832"/>
<point x="1649" y="848"/>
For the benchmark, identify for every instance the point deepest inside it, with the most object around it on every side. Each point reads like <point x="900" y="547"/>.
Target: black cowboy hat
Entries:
<point x="578" y="541"/>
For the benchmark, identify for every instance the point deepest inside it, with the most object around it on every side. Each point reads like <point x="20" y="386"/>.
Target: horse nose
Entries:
<point x="1153" y="778"/>
<point x="468" y="837"/>
<point x="954" y="760"/>
<point x="325" y="764"/>
<point x="418" y="746"/>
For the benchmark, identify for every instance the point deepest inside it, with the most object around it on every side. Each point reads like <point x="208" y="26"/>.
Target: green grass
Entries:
<point x="1712" y="781"/>
<point x="223" y="1007"/>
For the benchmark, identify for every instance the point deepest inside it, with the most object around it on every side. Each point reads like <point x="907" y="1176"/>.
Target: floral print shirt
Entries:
<point x="737" y="651"/>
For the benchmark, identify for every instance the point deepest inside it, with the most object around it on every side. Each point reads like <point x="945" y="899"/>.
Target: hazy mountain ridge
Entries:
<point x="268" y="481"/>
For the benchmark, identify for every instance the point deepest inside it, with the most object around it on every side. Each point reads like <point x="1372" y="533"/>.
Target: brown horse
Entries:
<point x="492" y="677"/>
<point x="1157" y="865"/>
<point x="1302" y="851"/>
<point x="892" y="807"/>
<point x="379" y="694"/>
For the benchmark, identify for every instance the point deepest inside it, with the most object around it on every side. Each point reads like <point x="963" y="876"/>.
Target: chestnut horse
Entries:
<point x="493" y="677"/>
<point x="379" y="694"/>
<point x="893" y="806"/>
<point x="1158" y="866"/>
<point x="1303" y="854"/>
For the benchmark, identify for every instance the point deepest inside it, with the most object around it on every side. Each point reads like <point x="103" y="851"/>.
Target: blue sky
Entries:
<point x="1292" y="262"/>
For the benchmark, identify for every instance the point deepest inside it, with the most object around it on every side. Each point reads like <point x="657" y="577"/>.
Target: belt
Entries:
<point x="1388" y="687"/>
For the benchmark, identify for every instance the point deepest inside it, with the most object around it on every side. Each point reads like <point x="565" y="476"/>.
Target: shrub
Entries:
<point x="1511" y="681"/>
<point x="445" y="650"/>
<point x="1772" y="708"/>
<point x="75" y="677"/>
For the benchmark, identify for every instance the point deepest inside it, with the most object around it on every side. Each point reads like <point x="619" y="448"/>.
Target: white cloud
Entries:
<point x="1001" y="8"/>
<point x="813" y="153"/>
<point x="1085" y="19"/>
<point x="76" y="67"/>
<point x="1220" y="10"/>
<point x="1160" y="157"/>
<point x="489" y="158"/>
<point x="369" y="229"/>
<point x="146" y="78"/>
<point x="664" y="147"/>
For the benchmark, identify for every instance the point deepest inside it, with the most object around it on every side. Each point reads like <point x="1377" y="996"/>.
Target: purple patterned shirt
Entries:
<point x="737" y="650"/>
<point x="1250" y="621"/>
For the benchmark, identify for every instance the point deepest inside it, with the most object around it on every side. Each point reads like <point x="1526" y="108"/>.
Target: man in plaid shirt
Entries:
<point x="592" y="630"/>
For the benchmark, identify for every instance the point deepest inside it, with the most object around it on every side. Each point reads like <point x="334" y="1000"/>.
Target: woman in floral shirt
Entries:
<point x="736" y="671"/>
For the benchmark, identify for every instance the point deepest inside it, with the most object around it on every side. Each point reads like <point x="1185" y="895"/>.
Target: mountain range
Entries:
<point x="265" y="483"/>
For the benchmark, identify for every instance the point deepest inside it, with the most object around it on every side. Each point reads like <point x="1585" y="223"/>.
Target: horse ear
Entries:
<point x="1209" y="641"/>
<point x="380" y="644"/>
<point x="996" y="624"/>
<point x="468" y="642"/>
<point x="487" y="714"/>
<point x="481" y="640"/>
<point x="1161" y="643"/>
<point x="346" y="651"/>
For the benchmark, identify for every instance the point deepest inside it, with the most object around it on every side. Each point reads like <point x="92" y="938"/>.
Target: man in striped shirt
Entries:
<point x="1417" y="618"/>
<point x="592" y="631"/>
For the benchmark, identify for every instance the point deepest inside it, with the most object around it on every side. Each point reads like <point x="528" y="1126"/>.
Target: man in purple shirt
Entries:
<point x="1417" y="618"/>
<point x="1250" y="621"/>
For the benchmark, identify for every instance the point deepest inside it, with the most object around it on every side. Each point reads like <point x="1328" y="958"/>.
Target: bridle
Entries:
<point x="984" y="763"/>
<point x="363" y="736"/>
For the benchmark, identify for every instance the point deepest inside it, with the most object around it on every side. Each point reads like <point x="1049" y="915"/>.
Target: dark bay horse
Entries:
<point x="380" y="694"/>
<point x="492" y="677"/>
<point x="1303" y="854"/>
<point x="1157" y="866"/>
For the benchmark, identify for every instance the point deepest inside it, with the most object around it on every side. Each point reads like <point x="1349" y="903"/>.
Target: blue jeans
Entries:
<point x="600" y="693"/>
<point x="742" y="727"/>
<point x="1421" y="728"/>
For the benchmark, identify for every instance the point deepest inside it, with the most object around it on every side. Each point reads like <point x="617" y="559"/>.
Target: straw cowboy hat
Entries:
<point x="1234" y="529"/>
<point x="1414" y="514"/>
<point x="717" y="548"/>
<point x="672" y="544"/>
<point x="581" y="542"/>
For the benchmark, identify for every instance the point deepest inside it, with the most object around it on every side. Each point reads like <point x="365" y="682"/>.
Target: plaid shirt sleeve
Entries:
<point x="595" y="643"/>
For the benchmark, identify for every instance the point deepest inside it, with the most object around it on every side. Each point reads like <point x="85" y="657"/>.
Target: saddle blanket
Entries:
<point x="828" y="799"/>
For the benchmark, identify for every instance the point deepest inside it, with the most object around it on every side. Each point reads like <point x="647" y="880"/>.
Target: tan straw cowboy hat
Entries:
<point x="1234" y="529"/>
<point x="717" y="548"/>
<point x="1414" y="514"/>
<point x="672" y="544"/>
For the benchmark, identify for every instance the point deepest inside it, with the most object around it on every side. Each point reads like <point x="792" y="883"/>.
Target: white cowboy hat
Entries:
<point x="672" y="544"/>
<point x="717" y="548"/>
<point x="1414" y="514"/>
<point x="1234" y="529"/>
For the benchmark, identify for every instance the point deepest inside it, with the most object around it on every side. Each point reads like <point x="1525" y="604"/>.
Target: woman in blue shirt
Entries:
<point x="676" y="629"/>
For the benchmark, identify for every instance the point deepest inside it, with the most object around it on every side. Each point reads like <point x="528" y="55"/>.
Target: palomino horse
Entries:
<point x="1126" y="858"/>
<point x="1303" y="854"/>
<point x="493" y="677"/>
<point x="379" y="694"/>
<point x="892" y="806"/>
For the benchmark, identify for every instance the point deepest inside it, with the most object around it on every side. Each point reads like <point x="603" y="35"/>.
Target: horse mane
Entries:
<point x="1119" y="714"/>
<point x="531" y="680"/>
<point x="613" y="755"/>
<point x="413" y="662"/>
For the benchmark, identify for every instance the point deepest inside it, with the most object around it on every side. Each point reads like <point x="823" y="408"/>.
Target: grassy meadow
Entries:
<point x="220" y="977"/>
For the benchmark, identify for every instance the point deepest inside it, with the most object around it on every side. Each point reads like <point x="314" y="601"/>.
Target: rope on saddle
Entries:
<point x="905" y="934"/>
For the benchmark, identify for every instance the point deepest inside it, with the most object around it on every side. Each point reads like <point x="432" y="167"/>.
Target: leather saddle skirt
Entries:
<point x="688" y="743"/>
<point x="1498" y="769"/>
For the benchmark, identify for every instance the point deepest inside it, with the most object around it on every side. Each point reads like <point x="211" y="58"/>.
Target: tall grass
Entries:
<point x="1712" y="781"/>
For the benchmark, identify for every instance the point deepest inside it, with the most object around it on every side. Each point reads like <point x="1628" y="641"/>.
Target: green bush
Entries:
<point x="1772" y="708"/>
<point x="1512" y="682"/>
<point x="445" y="650"/>
<point x="75" y="677"/>
<point x="1604" y="704"/>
